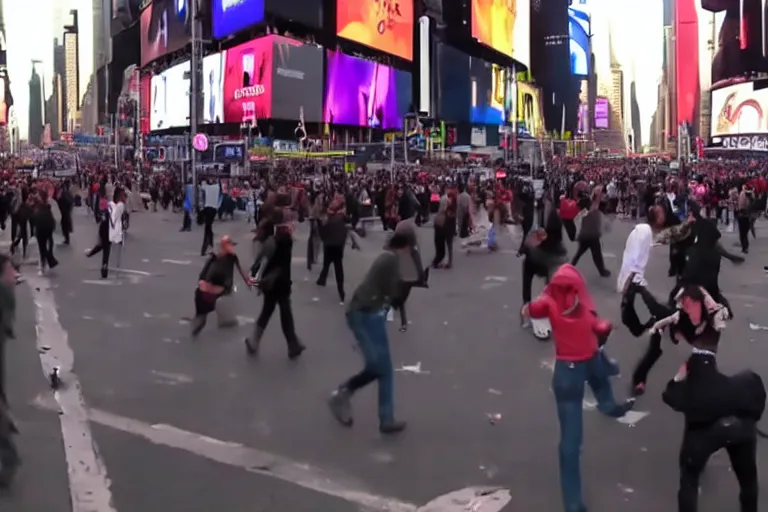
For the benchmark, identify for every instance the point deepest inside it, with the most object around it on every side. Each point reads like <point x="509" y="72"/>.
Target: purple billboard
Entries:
<point x="231" y="16"/>
<point x="361" y="92"/>
<point x="601" y="113"/>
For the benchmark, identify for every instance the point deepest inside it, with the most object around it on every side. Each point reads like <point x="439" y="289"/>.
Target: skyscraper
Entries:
<point x="35" y="108"/>
<point x="72" y="73"/>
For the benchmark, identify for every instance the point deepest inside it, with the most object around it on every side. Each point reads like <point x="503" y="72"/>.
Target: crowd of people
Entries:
<point x="477" y="203"/>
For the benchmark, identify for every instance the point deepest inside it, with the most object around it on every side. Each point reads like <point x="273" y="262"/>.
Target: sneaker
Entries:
<point x="392" y="427"/>
<point x="295" y="351"/>
<point x="341" y="408"/>
<point x="638" y="390"/>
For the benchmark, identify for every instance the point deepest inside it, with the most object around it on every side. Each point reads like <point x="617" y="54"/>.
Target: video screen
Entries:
<point x="602" y="111"/>
<point x="384" y="25"/>
<point x="169" y="98"/>
<point x="297" y="80"/>
<point x="487" y="93"/>
<point x="248" y="82"/>
<point x="578" y="32"/>
<point x="739" y="109"/>
<point x="452" y="88"/>
<point x="361" y="92"/>
<point x="505" y="26"/>
<point x="229" y="17"/>
<point x="213" y="87"/>
<point x="164" y="28"/>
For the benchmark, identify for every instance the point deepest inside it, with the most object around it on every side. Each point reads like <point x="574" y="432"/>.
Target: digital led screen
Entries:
<point x="452" y="87"/>
<point x="231" y="16"/>
<point x="361" y="92"/>
<point x="169" y="100"/>
<point x="297" y="80"/>
<point x="739" y="109"/>
<point x="487" y="93"/>
<point x="602" y="110"/>
<point x="164" y="28"/>
<point x="740" y="40"/>
<point x="306" y="12"/>
<point x="384" y="25"/>
<point x="505" y="26"/>
<point x="578" y="34"/>
<point x="248" y="81"/>
<point x="530" y="116"/>
<point x="213" y="87"/>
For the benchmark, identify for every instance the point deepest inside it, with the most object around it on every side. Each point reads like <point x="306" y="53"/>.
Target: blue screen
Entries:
<point x="578" y="32"/>
<point x="230" y="16"/>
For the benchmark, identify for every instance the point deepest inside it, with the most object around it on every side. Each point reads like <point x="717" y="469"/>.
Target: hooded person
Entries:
<point x="578" y="334"/>
<point x="721" y="412"/>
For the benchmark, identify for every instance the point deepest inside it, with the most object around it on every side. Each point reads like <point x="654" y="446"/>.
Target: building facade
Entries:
<point x="35" y="108"/>
<point x="72" y="73"/>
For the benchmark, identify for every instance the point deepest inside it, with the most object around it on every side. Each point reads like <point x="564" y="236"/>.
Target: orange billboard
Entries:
<point x="384" y="25"/>
<point x="503" y="25"/>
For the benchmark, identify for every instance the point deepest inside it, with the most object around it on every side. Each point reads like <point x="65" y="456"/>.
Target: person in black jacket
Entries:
<point x="333" y="232"/>
<point x="66" y="202"/>
<point x="45" y="224"/>
<point x="721" y="412"/>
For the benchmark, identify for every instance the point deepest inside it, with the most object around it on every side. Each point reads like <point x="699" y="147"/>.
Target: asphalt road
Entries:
<point x="197" y="426"/>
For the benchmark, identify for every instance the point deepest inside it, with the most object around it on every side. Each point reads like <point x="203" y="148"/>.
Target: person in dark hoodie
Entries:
<point x="66" y="202"/>
<point x="579" y="358"/>
<point x="544" y="251"/>
<point x="590" y="233"/>
<point x="721" y="412"/>
<point x="45" y="224"/>
<point x="333" y="232"/>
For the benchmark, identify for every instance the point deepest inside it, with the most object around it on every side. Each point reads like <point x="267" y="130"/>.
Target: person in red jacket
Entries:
<point x="578" y="334"/>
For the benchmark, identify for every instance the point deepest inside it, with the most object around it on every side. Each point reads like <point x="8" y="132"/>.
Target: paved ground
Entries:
<point x="196" y="426"/>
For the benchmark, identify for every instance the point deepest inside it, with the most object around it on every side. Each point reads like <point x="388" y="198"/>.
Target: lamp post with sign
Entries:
<point x="194" y="93"/>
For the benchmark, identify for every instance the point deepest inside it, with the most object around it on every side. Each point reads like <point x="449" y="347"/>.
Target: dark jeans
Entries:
<point x="209" y="215"/>
<point x="186" y="223"/>
<point x="744" y="225"/>
<point x="45" y="246"/>
<point x="568" y="386"/>
<point x="313" y="244"/>
<point x="370" y="331"/>
<point x="570" y="229"/>
<point x="595" y="248"/>
<point x="739" y="440"/>
<point x="19" y="234"/>
<point x="333" y="255"/>
<point x="443" y="245"/>
<point x="105" y="248"/>
<point x="531" y="269"/>
<point x="279" y="297"/>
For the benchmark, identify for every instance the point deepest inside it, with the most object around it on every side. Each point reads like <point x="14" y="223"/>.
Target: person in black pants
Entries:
<point x="45" y="224"/>
<point x="334" y="233"/>
<point x="209" y="215"/>
<point x="21" y="220"/>
<point x="589" y="235"/>
<point x="445" y="230"/>
<point x="103" y="246"/>
<point x="721" y="412"/>
<point x="274" y="281"/>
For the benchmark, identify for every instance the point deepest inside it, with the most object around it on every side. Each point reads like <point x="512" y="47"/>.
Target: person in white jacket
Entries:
<point x="113" y="218"/>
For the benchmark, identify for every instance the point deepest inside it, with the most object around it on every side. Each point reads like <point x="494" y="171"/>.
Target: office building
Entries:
<point x="35" y="108"/>
<point x="72" y="73"/>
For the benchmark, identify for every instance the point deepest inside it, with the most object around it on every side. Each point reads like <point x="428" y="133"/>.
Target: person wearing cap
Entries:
<point x="273" y="278"/>
<point x="215" y="280"/>
<point x="366" y="318"/>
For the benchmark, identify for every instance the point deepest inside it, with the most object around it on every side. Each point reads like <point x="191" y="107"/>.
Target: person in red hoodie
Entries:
<point x="578" y="334"/>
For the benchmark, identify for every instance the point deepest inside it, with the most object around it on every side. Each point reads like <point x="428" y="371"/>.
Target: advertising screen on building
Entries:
<point x="386" y="26"/>
<point x="248" y="81"/>
<point x="164" y="28"/>
<point x="452" y="87"/>
<point x="231" y="16"/>
<point x="487" y="92"/>
<point x="578" y="33"/>
<point x="739" y="109"/>
<point x="306" y="12"/>
<point x="530" y="117"/>
<point x="602" y="109"/>
<point x="361" y="92"/>
<point x="169" y="98"/>
<point x="213" y="87"/>
<point x="505" y="26"/>
<point x="3" y="104"/>
<point x="297" y="80"/>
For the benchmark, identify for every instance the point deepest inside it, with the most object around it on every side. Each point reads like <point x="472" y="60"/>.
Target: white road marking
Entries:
<point x="177" y="262"/>
<point x="89" y="484"/>
<point x="101" y="282"/>
<point x="471" y="499"/>
<point x="130" y="271"/>
<point x="496" y="279"/>
<point x="245" y="458"/>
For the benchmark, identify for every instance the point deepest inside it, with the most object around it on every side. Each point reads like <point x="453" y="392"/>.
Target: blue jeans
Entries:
<point x="568" y="385"/>
<point x="370" y="330"/>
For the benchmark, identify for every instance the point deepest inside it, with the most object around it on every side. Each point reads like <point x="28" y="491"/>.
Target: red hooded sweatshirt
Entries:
<point x="571" y="312"/>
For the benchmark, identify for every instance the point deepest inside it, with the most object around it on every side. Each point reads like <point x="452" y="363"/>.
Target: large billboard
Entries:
<point x="213" y="87"/>
<point x="169" y="98"/>
<point x="452" y="89"/>
<point x="248" y="82"/>
<point x="386" y="26"/>
<point x="487" y="92"/>
<point x="361" y="92"/>
<point x="505" y="26"/>
<point x="739" y="109"/>
<point x="297" y="80"/>
<point x="231" y="16"/>
<point x="579" y="30"/>
<point x="740" y="41"/>
<point x="165" y="28"/>
<point x="305" y="12"/>
<point x="530" y="117"/>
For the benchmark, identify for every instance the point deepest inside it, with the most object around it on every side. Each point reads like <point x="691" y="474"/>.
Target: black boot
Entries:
<point x="252" y="344"/>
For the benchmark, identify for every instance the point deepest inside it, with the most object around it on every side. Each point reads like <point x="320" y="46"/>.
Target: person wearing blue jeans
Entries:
<point x="366" y="318"/>
<point x="579" y="335"/>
